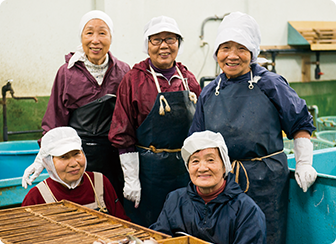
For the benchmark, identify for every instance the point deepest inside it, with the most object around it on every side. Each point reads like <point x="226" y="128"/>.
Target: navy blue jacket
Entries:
<point x="232" y="217"/>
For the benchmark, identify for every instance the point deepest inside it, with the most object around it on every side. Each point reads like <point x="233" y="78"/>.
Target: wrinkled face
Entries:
<point x="206" y="170"/>
<point x="70" y="166"/>
<point x="234" y="59"/>
<point x="163" y="55"/>
<point x="96" y="40"/>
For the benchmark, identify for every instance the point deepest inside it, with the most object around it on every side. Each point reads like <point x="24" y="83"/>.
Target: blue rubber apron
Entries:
<point x="92" y="122"/>
<point x="161" y="171"/>
<point x="250" y="124"/>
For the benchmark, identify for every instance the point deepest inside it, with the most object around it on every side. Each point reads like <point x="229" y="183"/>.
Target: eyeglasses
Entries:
<point x="168" y="40"/>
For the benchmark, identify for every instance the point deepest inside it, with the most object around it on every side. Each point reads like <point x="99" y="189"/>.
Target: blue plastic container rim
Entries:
<point x="16" y="152"/>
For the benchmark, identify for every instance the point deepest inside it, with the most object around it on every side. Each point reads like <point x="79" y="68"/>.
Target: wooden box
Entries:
<point x="183" y="240"/>
<point x="66" y="222"/>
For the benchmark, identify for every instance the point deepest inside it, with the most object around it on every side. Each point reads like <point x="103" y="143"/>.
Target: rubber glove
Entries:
<point x="130" y="166"/>
<point x="34" y="169"/>
<point x="305" y="174"/>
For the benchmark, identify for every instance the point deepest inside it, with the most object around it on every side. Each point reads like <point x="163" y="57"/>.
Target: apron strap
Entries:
<point x="155" y="150"/>
<point x="237" y="163"/>
<point x="101" y="208"/>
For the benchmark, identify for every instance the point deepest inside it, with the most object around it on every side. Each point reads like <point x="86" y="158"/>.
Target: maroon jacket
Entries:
<point x="76" y="87"/>
<point x="82" y="195"/>
<point x="136" y="96"/>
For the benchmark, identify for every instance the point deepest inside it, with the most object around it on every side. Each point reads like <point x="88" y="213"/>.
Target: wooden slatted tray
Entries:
<point x="66" y="222"/>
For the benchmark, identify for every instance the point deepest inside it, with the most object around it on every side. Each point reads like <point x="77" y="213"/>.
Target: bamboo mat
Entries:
<point x="66" y="222"/>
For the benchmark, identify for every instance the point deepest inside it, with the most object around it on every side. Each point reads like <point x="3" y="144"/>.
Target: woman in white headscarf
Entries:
<point x="250" y="106"/>
<point x="63" y="157"/>
<point x="83" y="97"/>
<point x="154" y="109"/>
<point x="212" y="207"/>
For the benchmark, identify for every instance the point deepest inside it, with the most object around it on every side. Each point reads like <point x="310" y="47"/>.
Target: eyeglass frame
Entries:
<point x="164" y="40"/>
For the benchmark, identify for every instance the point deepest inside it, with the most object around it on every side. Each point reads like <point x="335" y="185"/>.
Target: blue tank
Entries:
<point x="15" y="157"/>
<point x="312" y="215"/>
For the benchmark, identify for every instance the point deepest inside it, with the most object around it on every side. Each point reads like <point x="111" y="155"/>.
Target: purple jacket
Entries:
<point x="76" y="87"/>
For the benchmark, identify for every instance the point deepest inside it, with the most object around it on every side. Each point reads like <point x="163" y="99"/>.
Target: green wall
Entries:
<point x="23" y="115"/>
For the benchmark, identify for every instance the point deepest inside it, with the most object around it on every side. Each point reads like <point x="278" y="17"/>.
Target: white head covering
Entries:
<point x="79" y="55"/>
<point x="240" y="28"/>
<point x="57" y="142"/>
<point x="160" y="24"/>
<point x="203" y="140"/>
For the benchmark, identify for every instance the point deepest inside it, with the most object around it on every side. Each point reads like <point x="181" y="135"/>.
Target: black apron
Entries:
<point x="92" y="123"/>
<point x="161" y="173"/>
<point x="251" y="128"/>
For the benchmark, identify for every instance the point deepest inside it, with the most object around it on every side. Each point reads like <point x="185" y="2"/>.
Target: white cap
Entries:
<point x="240" y="28"/>
<point x="160" y="24"/>
<point x="57" y="142"/>
<point x="203" y="140"/>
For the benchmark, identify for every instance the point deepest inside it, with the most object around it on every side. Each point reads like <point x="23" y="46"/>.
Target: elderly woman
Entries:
<point x="63" y="157"/>
<point x="250" y="107"/>
<point x="154" y="109"/>
<point x="83" y="97"/>
<point x="212" y="207"/>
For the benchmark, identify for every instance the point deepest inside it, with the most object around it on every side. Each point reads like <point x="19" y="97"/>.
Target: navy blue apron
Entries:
<point x="251" y="128"/>
<point x="163" y="172"/>
<point x="92" y="122"/>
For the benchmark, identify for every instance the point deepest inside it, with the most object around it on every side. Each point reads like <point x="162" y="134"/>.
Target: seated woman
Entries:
<point x="212" y="207"/>
<point x="62" y="156"/>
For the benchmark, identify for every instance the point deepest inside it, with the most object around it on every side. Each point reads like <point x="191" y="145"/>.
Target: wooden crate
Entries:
<point x="319" y="35"/>
<point x="183" y="240"/>
<point x="66" y="222"/>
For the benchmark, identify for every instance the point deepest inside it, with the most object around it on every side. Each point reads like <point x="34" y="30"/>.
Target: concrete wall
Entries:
<point x="36" y="34"/>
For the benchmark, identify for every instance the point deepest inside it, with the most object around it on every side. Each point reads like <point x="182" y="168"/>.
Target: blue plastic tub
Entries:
<point x="15" y="157"/>
<point x="312" y="215"/>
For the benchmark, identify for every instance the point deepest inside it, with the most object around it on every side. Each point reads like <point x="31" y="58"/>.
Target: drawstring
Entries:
<point x="160" y="150"/>
<point x="161" y="109"/>
<point x="192" y="95"/>
<point x="218" y="85"/>
<point x="236" y="164"/>
<point x="254" y="79"/>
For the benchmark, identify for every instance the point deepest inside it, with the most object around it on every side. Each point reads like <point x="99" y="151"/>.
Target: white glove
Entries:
<point x="35" y="169"/>
<point x="130" y="166"/>
<point x="305" y="174"/>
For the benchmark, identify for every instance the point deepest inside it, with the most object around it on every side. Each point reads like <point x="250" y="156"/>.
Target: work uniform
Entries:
<point x="77" y="100"/>
<point x="83" y="194"/>
<point x="251" y="111"/>
<point x="232" y="217"/>
<point x="137" y="122"/>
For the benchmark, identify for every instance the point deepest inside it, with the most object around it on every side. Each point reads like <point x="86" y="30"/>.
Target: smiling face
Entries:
<point x="70" y="166"/>
<point x="96" y="40"/>
<point x="234" y="59"/>
<point x="206" y="170"/>
<point x="163" y="55"/>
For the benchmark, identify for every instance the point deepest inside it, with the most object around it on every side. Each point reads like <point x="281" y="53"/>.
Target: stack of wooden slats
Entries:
<point x="319" y="36"/>
<point x="66" y="222"/>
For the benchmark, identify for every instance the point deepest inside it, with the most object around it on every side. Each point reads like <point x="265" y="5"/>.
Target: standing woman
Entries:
<point x="154" y="109"/>
<point x="83" y="97"/>
<point x="250" y="106"/>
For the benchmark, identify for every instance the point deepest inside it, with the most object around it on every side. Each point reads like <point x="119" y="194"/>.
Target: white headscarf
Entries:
<point x="240" y="28"/>
<point x="57" y="142"/>
<point x="203" y="140"/>
<point x="79" y="55"/>
<point x="160" y="24"/>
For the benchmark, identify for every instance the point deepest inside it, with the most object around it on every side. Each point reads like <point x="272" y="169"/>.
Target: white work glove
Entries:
<point x="130" y="166"/>
<point x="35" y="169"/>
<point x="305" y="174"/>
